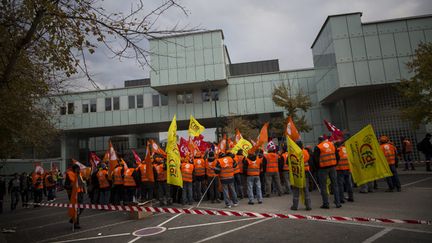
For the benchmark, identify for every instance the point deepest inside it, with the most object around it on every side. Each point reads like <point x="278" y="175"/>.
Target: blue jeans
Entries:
<point x="393" y="181"/>
<point x="104" y="196"/>
<point x="344" y="181"/>
<point x="187" y="192"/>
<point x="227" y="189"/>
<point x="323" y="173"/>
<point x="251" y="181"/>
<point x="238" y="185"/>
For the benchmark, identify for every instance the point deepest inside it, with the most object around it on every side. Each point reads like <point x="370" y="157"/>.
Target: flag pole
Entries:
<point x="314" y="181"/>
<point x="205" y="192"/>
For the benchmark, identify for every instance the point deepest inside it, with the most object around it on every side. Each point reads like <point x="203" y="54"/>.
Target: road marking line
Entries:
<point x="93" y="238"/>
<point x="378" y="235"/>
<point x="135" y="239"/>
<point x="230" y="231"/>
<point x="415" y="182"/>
<point x="84" y="231"/>
<point x="173" y="217"/>
<point x="212" y="223"/>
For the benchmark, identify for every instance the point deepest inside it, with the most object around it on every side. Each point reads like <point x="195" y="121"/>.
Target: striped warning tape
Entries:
<point x="233" y="213"/>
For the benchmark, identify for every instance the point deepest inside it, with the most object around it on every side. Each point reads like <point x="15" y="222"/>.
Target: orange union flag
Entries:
<point x="366" y="159"/>
<point x="291" y="130"/>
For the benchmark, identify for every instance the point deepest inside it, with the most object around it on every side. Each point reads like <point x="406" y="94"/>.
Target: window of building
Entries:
<point x="116" y="103"/>
<point x="63" y="110"/>
<point x="71" y="108"/>
<point x="180" y="98"/>
<point x="108" y="104"/>
<point x="164" y="99"/>
<point x="131" y="101"/>
<point x="185" y="97"/>
<point x="210" y="95"/>
<point x="155" y="100"/>
<point x="85" y="108"/>
<point x="93" y="105"/>
<point x="140" y="101"/>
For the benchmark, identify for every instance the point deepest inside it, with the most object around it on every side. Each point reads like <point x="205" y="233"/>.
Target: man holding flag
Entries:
<point x="173" y="172"/>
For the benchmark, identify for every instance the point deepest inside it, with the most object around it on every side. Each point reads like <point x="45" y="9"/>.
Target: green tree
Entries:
<point x="247" y="127"/>
<point x="417" y="91"/>
<point x="293" y="101"/>
<point x="43" y="43"/>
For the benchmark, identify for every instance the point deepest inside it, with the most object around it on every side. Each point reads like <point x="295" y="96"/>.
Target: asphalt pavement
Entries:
<point x="48" y="224"/>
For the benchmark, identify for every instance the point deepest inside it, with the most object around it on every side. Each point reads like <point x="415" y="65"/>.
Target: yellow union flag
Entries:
<point x="174" y="176"/>
<point x="242" y="144"/>
<point x="367" y="161"/>
<point x="195" y="129"/>
<point x="296" y="164"/>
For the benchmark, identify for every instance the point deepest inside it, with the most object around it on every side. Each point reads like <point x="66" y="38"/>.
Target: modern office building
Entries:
<point x="355" y="66"/>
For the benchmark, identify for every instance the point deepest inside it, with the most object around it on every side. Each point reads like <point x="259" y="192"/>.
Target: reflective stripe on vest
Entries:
<point x="390" y="153"/>
<point x="343" y="159"/>
<point x="118" y="179"/>
<point x="253" y="167"/>
<point x="306" y="158"/>
<point x="143" y="172"/>
<point x="186" y="170"/>
<point x="161" y="173"/>
<point x="327" y="154"/>
<point x="210" y="168"/>
<point x="199" y="167"/>
<point x="227" y="170"/>
<point x="128" y="178"/>
<point x="285" y="162"/>
<point x="103" y="181"/>
<point x="272" y="162"/>
<point x="239" y="161"/>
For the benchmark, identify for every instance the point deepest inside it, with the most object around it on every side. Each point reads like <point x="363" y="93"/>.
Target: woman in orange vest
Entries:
<point x="50" y="186"/>
<point x="390" y="153"/>
<point x="37" y="187"/>
<point x="296" y="190"/>
<point x="117" y="189"/>
<point x="212" y="178"/>
<point x="238" y="171"/>
<point x="187" y="169"/>
<point x="164" y="193"/>
<point x="225" y="166"/>
<point x="285" y="172"/>
<point x="326" y="156"/>
<point x="252" y="167"/>
<point x="129" y="185"/>
<point x="344" y="174"/>
<point x="104" y="184"/>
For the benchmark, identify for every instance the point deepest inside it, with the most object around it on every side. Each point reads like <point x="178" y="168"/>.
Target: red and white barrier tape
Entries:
<point x="234" y="213"/>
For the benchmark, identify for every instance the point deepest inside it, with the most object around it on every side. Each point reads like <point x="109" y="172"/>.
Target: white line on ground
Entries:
<point x="134" y="239"/>
<point x="230" y="231"/>
<point x="415" y="182"/>
<point x="378" y="235"/>
<point x="93" y="238"/>
<point x="84" y="231"/>
<point x="173" y="217"/>
<point x="212" y="223"/>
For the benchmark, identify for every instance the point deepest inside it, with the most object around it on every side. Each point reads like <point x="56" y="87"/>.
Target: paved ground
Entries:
<point x="414" y="202"/>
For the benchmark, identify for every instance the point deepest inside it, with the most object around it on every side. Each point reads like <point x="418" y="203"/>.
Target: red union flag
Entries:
<point x="183" y="147"/>
<point x="137" y="158"/>
<point x="337" y="134"/>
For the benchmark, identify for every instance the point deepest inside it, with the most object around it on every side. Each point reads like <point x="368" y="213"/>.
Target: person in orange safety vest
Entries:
<point x="344" y="174"/>
<point x="390" y="153"/>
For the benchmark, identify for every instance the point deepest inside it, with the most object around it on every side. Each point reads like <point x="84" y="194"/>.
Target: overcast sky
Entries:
<point x="255" y="29"/>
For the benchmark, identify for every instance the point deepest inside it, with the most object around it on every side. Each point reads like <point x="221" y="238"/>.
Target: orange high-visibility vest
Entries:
<point x="118" y="179"/>
<point x="253" y="168"/>
<point x="128" y="178"/>
<point x="199" y="166"/>
<point x="239" y="161"/>
<point x="102" y="178"/>
<point x="285" y="163"/>
<point x="227" y="170"/>
<point x="260" y="161"/>
<point x="306" y="158"/>
<point x="187" y="170"/>
<point x="210" y="168"/>
<point x="37" y="179"/>
<point x="143" y="171"/>
<point x="327" y="154"/>
<point x="390" y="153"/>
<point x="161" y="173"/>
<point x="343" y="159"/>
<point x="272" y="162"/>
<point x="47" y="182"/>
